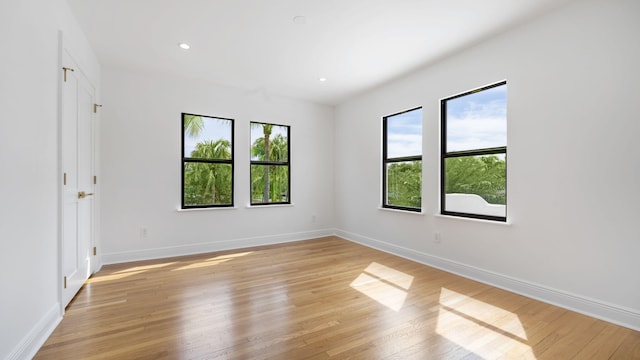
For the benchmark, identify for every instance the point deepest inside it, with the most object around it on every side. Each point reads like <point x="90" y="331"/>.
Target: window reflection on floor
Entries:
<point x="484" y="329"/>
<point x="213" y="261"/>
<point x="125" y="273"/>
<point x="383" y="284"/>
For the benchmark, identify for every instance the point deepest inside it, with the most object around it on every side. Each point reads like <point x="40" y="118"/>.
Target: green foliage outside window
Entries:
<point x="404" y="183"/>
<point x="277" y="187"/>
<point x="481" y="175"/>
<point x="206" y="183"/>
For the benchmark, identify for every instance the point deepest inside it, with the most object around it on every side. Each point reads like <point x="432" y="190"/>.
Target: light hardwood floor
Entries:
<point x="320" y="299"/>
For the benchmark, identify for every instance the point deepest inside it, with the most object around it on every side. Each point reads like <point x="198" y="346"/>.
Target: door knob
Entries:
<point x="82" y="194"/>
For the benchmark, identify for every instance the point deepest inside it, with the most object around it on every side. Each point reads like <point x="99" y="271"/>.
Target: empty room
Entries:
<point x="299" y="179"/>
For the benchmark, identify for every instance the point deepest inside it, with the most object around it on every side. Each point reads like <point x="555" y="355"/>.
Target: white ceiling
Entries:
<point x="256" y="45"/>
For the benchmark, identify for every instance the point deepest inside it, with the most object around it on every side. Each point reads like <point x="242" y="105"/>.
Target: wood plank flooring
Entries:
<point x="326" y="298"/>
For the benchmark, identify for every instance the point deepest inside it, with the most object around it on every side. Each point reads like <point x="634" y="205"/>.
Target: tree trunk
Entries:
<point x="213" y="190"/>
<point x="265" y="192"/>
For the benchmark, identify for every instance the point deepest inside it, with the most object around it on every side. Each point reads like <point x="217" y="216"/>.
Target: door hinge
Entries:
<point x="65" y="282"/>
<point x="95" y="179"/>
<point x="95" y="251"/>
<point x="64" y="179"/>
<point x="65" y="72"/>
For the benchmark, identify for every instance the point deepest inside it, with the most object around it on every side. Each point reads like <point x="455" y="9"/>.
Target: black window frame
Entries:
<point x="387" y="160"/>
<point x="188" y="159"/>
<point x="444" y="155"/>
<point x="272" y="163"/>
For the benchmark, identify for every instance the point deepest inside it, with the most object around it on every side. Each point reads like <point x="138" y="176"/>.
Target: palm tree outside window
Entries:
<point x="270" y="164"/>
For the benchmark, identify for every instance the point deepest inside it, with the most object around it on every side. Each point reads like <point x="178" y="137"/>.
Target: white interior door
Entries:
<point x="77" y="152"/>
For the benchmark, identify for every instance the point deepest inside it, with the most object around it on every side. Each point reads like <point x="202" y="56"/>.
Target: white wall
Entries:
<point x="29" y="71"/>
<point x="141" y="129"/>
<point x="573" y="168"/>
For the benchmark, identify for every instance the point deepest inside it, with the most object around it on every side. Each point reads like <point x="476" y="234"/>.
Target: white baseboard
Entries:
<point x="159" y="253"/>
<point x="31" y="343"/>
<point x="594" y="308"/>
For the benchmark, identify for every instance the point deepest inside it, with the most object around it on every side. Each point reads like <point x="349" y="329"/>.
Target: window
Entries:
<point x="207" y="161"/>
<point x="270" y="168"/>
<point x="474" y="154"/>
<point x="402" y="160"/>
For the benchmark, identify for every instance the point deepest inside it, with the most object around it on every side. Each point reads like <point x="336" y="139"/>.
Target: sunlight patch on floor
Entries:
<point x="138" y="269"/>
<point x="231" y="256"/>
<point x="213" y="261"/>
<point x="126" y="272"/>
<point x="484" y="329"/>
<point x="116" y="276"/>
<point x="383" y="284"/>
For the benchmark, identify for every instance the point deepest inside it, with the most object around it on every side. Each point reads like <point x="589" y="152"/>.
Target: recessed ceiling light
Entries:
<point x="299" y="19"/>
<point x="184" y="46"/>
<point x="322" y="79"/>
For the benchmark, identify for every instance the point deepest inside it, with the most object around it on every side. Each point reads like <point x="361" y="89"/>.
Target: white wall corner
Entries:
<point x="608" y="312"/>
<point x="31" y="343"/>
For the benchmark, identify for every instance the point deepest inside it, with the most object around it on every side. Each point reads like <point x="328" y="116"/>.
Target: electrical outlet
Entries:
<point x="437" y="238"/>
<point x="144" y="232"/>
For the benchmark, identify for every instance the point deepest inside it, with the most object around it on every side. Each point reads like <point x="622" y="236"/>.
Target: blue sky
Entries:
<point x="474" y="121"/>
<point x="478" y="120"/>
<point x="214" y="129"/>
<point x="404" y="134"/>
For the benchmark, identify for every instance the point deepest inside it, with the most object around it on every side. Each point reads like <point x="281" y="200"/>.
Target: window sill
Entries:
<point x="401" y="211"/>
<point x="482" y="221"/>
<point x="249" y="206"/>
<point x="207" y="209"/>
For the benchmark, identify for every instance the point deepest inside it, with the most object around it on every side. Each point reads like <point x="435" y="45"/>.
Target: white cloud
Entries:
<point x="404" y="145"/>
<point x="476" y="133"/>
